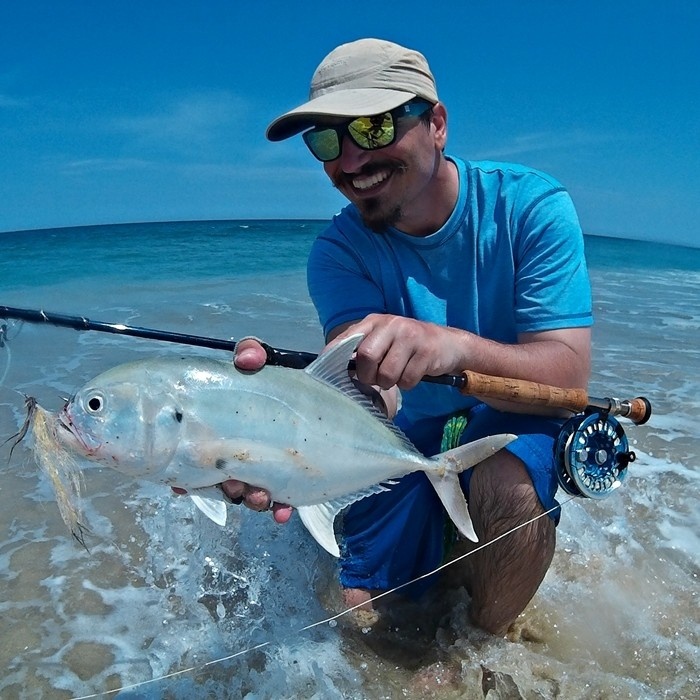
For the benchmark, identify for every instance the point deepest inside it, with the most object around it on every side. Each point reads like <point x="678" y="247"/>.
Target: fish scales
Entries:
<point x="313" y="442"/>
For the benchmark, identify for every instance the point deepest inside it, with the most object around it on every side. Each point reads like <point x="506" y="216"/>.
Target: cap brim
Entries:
<point x="357" y="102"/>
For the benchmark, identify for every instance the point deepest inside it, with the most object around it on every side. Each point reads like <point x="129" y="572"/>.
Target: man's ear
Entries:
<point x="439" y="123"/>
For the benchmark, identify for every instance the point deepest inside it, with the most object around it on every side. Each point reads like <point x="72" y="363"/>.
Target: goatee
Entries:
<point x="377" y="220"/>
<point x="373" y="213"/>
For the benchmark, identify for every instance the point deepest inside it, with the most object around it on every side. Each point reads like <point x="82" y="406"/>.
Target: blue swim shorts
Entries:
<point x="399" y="535"/>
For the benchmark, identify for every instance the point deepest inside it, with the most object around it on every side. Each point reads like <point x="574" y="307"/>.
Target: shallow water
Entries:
<point x="163" y="590"/>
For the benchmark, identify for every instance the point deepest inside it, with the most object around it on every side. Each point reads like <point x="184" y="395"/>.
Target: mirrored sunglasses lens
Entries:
<point x="323" y="143"/>
<point x="372" y="132"/>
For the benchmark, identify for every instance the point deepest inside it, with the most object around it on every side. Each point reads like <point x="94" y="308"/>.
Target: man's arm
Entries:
<point x="398" y="351"/>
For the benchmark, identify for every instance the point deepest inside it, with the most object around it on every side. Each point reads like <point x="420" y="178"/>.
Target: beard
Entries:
<point x="377" y="217"/>
<point x="376" y="213"/>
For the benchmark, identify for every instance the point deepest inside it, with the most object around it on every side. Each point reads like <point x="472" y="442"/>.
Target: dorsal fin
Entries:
<point x="331" y="368"/>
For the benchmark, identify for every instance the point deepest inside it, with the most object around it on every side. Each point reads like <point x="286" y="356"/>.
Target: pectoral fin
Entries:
<point x="210" y="500"/>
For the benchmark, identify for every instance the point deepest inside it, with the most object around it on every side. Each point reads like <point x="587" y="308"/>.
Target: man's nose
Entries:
<point x="352" y="157"/>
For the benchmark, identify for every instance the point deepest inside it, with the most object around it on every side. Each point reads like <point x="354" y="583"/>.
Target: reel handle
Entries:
<point x="575" y="400"/>
<point x="640" y="410"/>
<point x="637" y="410"/>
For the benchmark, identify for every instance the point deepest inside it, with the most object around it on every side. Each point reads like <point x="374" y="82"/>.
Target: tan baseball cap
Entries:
<point x="362" y="78"/>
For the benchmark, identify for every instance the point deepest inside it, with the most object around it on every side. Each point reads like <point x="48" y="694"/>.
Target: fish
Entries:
<point x="310" y="437"/>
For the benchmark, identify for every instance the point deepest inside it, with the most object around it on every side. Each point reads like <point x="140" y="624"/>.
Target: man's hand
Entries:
<point x="399" y="351"/>
<point x="256" y="499"/>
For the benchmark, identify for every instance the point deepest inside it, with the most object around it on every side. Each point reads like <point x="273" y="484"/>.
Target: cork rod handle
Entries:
<point x="523" y="391"/>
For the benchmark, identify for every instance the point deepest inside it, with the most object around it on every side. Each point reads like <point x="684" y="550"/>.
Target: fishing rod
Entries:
<point x="468" y="382"/>
<point x="592" y="451"/>
<point x="276" y="356"/>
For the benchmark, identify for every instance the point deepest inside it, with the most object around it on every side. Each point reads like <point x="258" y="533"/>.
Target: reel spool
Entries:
<point x="592" y="455"/>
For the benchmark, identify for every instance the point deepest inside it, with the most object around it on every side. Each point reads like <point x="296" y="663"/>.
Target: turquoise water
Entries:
<point x="163" y="590"/>
<point x="131" y="252"/>
<point x="201" y="249"/>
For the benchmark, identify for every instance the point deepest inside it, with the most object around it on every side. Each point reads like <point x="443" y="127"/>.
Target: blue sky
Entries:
<point x="117" y="111"/>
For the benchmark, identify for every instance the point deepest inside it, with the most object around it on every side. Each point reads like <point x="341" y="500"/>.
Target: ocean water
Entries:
<point x="167" y="604"/>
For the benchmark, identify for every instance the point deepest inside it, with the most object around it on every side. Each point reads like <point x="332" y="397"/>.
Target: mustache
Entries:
<point x="367" y="170"/>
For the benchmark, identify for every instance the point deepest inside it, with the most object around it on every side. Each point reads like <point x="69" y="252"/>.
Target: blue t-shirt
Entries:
<point x="509" y="260"/>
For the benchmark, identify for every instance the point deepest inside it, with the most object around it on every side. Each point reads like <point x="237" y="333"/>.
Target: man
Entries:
<point x="443" y="265"/>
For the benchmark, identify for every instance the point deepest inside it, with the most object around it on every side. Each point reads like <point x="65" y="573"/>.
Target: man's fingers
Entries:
<point x="250" y="354"/>
<point x="254" y="498"/>
<point x="281" y="512"/>
<point x="235" y="490"/>
<point x="257" y="499"/>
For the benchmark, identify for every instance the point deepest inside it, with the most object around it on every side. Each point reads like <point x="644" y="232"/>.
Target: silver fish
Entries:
<point x="309" y="437"/>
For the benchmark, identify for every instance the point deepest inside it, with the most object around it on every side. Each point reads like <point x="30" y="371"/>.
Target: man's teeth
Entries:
<point x="364" y="183"/>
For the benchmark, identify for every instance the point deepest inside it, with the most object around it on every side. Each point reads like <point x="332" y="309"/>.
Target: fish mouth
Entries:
<point x="66" y="432"/>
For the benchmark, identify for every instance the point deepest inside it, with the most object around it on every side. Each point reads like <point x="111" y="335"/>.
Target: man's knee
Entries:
<point x="501" y="493"/>
<point x="503" y="577"/>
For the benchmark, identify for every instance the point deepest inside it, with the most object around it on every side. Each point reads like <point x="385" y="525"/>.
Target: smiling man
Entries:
<point x="444" y="265"/>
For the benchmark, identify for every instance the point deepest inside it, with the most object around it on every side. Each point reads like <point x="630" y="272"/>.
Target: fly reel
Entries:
<point x="592" y="455"/>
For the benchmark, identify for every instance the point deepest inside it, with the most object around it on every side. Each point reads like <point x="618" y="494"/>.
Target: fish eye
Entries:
<point x="94" y="403"/>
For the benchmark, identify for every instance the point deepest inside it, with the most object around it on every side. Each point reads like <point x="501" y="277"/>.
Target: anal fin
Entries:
<point x="210" y="500"/>
<point x="318" y="519"/>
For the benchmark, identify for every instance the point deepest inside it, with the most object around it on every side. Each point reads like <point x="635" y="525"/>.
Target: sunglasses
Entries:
<point x="369" y="133"/>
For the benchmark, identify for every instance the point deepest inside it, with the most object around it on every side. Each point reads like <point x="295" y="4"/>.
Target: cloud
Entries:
<point x="546" y="142"/>
<point x="98" y="165"/>
<point x="9" y="102"/>
<point x="189" y="123"/>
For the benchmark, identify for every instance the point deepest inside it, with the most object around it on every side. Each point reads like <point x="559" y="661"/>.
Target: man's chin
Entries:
<point x="376" y="219"/>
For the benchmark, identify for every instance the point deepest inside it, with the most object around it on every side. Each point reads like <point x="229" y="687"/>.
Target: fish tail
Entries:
<point x="445" y="478"/>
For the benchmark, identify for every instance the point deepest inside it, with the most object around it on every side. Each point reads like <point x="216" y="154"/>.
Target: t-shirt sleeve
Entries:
<point x="552" y="289"/>
<point x="339" y="282"/>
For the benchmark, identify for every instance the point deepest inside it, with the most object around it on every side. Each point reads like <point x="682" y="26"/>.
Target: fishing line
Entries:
<point x="6" y="347"/>
<point x="592" y="452"/>
<point x="6" y="337"/>
<point x="327" y="620"/>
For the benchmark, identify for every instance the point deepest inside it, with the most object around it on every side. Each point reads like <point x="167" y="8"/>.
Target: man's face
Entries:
<point x="391" y="186"/>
